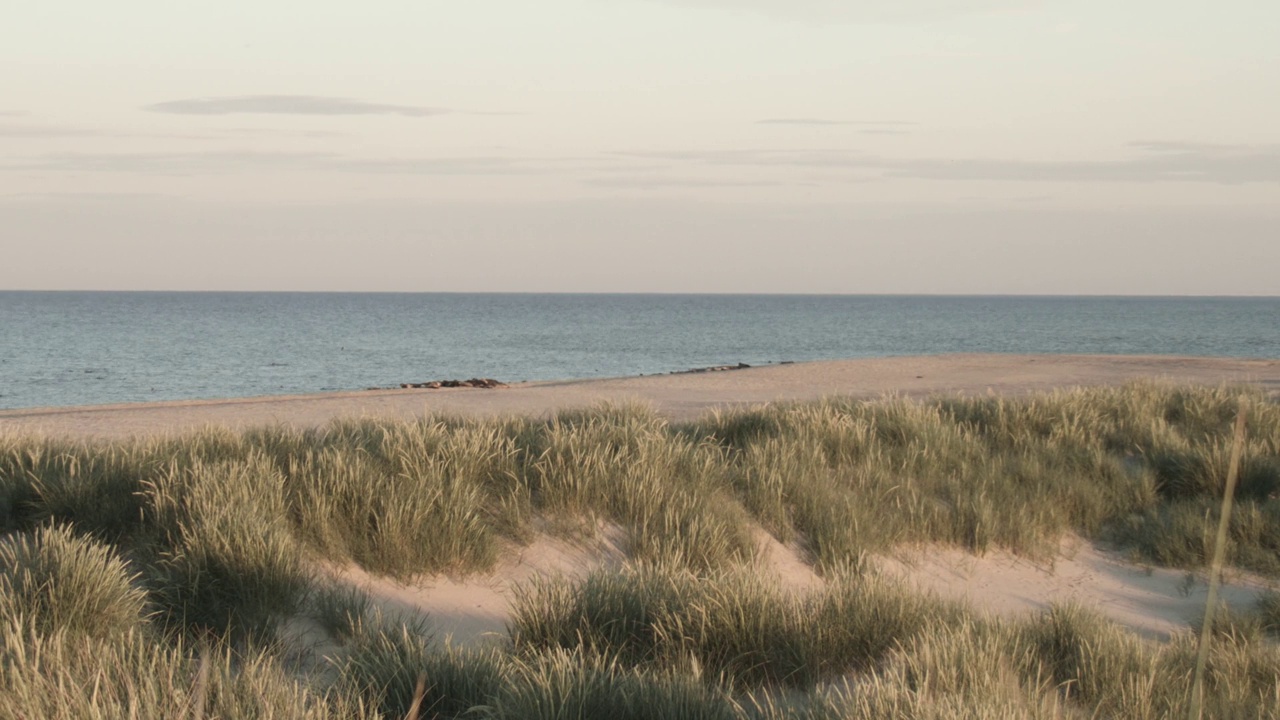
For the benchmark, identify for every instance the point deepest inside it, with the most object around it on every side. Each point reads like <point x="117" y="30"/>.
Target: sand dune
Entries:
<point x="1153" y="602"/>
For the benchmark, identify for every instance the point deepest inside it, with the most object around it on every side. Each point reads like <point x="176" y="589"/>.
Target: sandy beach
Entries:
<point x="675" y="396"/>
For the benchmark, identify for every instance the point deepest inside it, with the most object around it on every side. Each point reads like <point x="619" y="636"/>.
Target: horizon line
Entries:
<point x="654" y="293"/>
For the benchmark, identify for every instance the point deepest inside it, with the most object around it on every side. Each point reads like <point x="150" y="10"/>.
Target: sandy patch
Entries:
<point x="785" y="561"/>
<point x="475" y="609"/>
<point x="1156" y="603"/>
<point x="1153" y="602"/>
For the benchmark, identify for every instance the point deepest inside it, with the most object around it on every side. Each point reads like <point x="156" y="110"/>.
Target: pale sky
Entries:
<point x="819" y="146"/>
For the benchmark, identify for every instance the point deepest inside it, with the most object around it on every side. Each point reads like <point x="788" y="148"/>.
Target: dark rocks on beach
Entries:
<point x="713" y="368"/>
<point x="481" y="383"/>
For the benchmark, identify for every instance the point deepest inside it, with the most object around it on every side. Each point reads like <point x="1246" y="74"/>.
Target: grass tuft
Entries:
<point x="226" y="563"/>
<point x="56" y="581"/>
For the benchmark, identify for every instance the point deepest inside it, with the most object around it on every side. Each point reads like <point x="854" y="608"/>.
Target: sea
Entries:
<point x="86" y="348"/>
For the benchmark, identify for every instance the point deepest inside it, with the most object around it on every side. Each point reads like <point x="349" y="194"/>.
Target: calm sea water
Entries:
<point x="77" y="348"/>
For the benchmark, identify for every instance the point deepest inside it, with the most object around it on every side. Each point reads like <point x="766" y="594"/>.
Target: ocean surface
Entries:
<point x="81" y="348"/>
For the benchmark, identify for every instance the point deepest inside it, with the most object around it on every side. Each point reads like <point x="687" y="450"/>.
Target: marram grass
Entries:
<point x="148" y="578"/>
<point x="57" y="581"/>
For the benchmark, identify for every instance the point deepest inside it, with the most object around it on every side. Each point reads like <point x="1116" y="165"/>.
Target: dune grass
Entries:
<point x="57" y="581"/>
<point x="736" y="625"/>
<point x="651" y="642"/>
<point x="138" y="675"/>
<point x="123" y="564"/>
<point x="1141" y="465"/>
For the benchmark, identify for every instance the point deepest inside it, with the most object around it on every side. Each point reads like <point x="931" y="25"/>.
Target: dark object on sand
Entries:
<point x="482" y="383"/>
<point x="713" y="368"/>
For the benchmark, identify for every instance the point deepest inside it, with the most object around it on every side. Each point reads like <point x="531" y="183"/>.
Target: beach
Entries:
<point x="677" y="397"/>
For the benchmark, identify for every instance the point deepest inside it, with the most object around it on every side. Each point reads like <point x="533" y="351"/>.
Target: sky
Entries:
<point x="758" y="146"/>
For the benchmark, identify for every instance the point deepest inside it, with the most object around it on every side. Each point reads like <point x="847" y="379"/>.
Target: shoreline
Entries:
<point x="677" y="396"/>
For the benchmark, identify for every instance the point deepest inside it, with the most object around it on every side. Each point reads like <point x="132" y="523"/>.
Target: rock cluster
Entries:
<point x="483" y="383"/>
<point x="713" y="368"/>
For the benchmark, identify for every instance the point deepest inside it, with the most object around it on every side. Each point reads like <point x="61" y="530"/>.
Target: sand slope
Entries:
<point x="1153" y="602"/>
<point x="475" y="609"/>
<point x="1156" y="603"/>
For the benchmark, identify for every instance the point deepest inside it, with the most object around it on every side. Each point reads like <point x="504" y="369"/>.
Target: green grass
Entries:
<point x="122" y="564"/>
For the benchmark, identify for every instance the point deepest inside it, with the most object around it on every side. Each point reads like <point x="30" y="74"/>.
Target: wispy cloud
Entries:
<point x="1151" y="162"/>
<point x="814" y="158"/>
<point x="39" y="131"/>
<point x="278" y="132"/>
<point x="820" y="121"/>
<point x="161" y="163"/>
<point x="47" y="131"/>
<point x="216" y="163"/>
<point x="480" y="165"/>
<point x="659" y="183"/>
<point x="89" y="197"/>
<point x="288" y="105"/>
<point x="1154" y="162"/>
<point x="1157" y="162"/>
<point x="868" y="11"/>
<point x="12" y="113"/>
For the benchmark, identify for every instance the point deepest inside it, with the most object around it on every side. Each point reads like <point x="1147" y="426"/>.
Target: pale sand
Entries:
<point x="1152" y="602"/>
<point x="678" y="397"/>
<point x="476" y="609"/>
<point x="1156" y="603"/>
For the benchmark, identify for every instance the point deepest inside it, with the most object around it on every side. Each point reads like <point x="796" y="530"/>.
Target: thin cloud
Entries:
<point x="1159" y="162"/>
<point x="90" y="197"/>
<point x="820" y="121"/>
<point x="216" y="163"/>
<point x="445" y="166"/>
<point x="12" y="113"/>
<point x="816" y="158"/>
<point x="47" y="131"/>
<point x="1152" y="162"/>
<point x="862" y="11"/>
<point x="37" y="131"/>
<point x="276" y="132"/>
<point x="659" y="183"/>
<point x="287" y="105"/>
<point x="1155" y="162"/>
<point x="168" y="163"/>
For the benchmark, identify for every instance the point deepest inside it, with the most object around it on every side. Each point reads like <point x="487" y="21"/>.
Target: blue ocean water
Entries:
<point x="79" y="348"/>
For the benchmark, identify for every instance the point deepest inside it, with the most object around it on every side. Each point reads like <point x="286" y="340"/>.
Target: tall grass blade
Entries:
<point x="200" y="691"/>
<point x="1215" y="570"/>
<point x="419" y="692"/>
